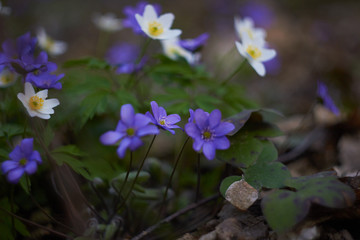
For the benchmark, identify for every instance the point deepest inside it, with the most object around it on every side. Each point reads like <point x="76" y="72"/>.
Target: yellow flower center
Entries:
<point x="6" y="79"/>
<point x="22" y="161"/>
<point x="162" y="122"/>
<point x="36" y="103"/>
<point x="253" y="51"/>
<point x="155" y="28"/>
<point x="207" y="135"/>
<point x="130" y="131"/>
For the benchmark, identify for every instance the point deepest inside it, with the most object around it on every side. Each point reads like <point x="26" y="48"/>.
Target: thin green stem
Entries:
<point x="137" y="174"/>
<point x="198" y="179"/>
<point x="237" y="70"/>
<point x="171" y="176"/>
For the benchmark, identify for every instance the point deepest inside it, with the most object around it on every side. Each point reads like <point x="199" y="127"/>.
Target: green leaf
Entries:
<point x="4" y="154"/>
<point x="243" y="152"/>
<point x="110" y="230"/>
<point x="9" y="130"/>
<point x="269" y="152"/>
<point x="70" y="149"/>
<point x="268" y="175"/>
<point x="75" y="164"/>
<point x="283" y="209"/>
<point x="206" y="102"/>
<point x="24" y="184"/>
<point x="226" y="182"/>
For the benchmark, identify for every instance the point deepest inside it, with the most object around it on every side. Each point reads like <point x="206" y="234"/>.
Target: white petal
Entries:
<point x="43" y="116"/>
<point x="259" y="67"/>
<point x="50" y="103"/>
<point x="150" y="13"/>
<point x="166" y="20"/>
<point x="42" y="94"/>
<point x="267" y="54"/>
<point x="140" y="20"/>
<point x="29" y="90"/>
<point x="46" y="111"/>
<point x="169" y="34"/>
<point x="241" y="49"/>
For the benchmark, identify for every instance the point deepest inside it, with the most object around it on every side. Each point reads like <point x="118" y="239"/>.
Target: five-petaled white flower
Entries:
<point x="157" y="27"/>
<point x="53" y="47"/>
<point x="245" y="29"/>
<point x="173" y="50"/>
<point x="108" y="22"/>
<point x="36" y="103"/>
<point x="256" y="54"/>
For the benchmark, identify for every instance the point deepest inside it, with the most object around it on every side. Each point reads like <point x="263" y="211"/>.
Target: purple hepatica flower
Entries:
<point x="195" y="44"/>
<point x="161" y="119"/>
<point x="13" y="52"/>
<point x="322" y="92"/>
<point x="129" y="130"/>
<point x="130" y="20"/>
<point x="23" y="159"/>
<point x="39" y="72"/>
<point x="208" y="132"/>
<point x="123" y="56"/>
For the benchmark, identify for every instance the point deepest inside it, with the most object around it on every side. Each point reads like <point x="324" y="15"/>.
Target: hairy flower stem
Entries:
<point x="198" y="179"/>
<point x="137" y="174"/>
<point x="237" y="70"/>
<point x="171" y="176"/>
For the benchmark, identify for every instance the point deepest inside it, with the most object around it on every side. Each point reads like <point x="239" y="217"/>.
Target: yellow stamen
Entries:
<point x="207" y="135"/>
<point x="253" y="51"/>
<point x="162" y="122"/>
<point x="130" y="131"/>
<point x="36" y="103"/>
<point x="155" y="28"/>
<point x="23" y="161"/>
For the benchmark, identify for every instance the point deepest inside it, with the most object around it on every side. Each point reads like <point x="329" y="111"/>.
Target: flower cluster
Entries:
<point x="23" y="159"/>
<point x="20" y="57"/>
<point x="253" y="45"/>
<point x="207" y="130"/>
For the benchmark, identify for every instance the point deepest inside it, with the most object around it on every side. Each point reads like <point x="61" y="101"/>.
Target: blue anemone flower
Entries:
<point x="130" y="128"/>
<point x="23" y="159"/>
<point x="208" y="132"/>
<point x="161" y="119"/>
<point x="323" y="94"/>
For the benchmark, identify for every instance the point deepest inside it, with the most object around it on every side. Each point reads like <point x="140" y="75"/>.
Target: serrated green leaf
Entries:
<point x="226" y="182"/>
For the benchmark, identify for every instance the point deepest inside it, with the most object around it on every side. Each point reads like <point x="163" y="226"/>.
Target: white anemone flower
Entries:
<point x="7" y="78"/>
<point x="256" y="54"/>
<point x="36" y="103"/>
<point x="108" y="22"/>
<point x="53" y="47"/>
<point x="173" y="50"/>
<point x="157" y="27"/>
<point x="245" y="29"/>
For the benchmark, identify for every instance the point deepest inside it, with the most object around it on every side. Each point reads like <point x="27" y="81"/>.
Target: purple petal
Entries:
<point x="31" y="167"/>
<point x="192" y="130"/>
<point x="16" y="154"/>
<point x="209" y="150"/>
<point x="121" y="127"/>
<point x="155" y="109"/>
<point x="15" y="175"/>
<point x="152" y="119"/>
<point x="140" y="120"/>
<point x="173" y="118"/>
<point x="191" y="118"/>
<point x="124" y="144"/>
<point x="135" y="143"/>
<point x="201" y="118"/>
<point x="111" y="137"/>
<point x="224" y="128"/>
<point x="214" y="118"/>
<point x="198" y="143"/>
<point x="127" y="114"/>
<point x="35" y="156"/>
<point x="162" y="113"/>
<point x="147" y="130"/>
<point x="221" y="143"/>
<point x="26" y="146"/>
<point x="9" y="165"/>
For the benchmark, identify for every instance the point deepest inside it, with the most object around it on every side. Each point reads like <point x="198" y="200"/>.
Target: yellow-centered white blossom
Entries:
<point x="53" y="47"/>
<point x="245" y="29"/>
<point x="256" y="54"/>
<point x="157" y="27"/>
<point x="36" y="103"/>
